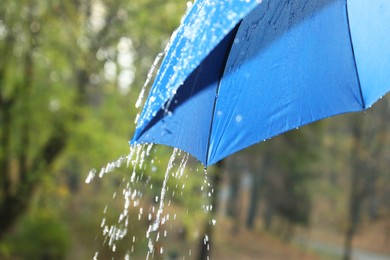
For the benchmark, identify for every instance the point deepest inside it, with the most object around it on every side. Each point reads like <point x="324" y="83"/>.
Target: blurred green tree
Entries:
<point x="369" y="137"/>
<point x="279" y="174"/>
<point x="51" y="243"/>
<point x="69" y="73"/>
<point x="286" y="176"/>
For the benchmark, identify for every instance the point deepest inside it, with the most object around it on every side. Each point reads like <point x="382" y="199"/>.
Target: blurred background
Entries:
<point x="70" y="75"/>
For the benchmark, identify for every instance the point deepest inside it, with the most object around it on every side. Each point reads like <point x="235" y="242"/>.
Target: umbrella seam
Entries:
<point x="235" y="29"/>
<point x="353" y="56"/>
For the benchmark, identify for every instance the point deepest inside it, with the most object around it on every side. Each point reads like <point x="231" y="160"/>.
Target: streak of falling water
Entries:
<point x="111" y="166"/>
<point x="150" y="74"/>
<point x="208" y="193"/>
<point x="132" y="192"/>
<point x="158" y="220"/>
<point x="113" y="233"/>
<point x="141" y="96"/>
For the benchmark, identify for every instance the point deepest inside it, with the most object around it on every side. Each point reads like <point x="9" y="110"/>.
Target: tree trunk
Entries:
<point x="254" y="200"/>
<point x="373" y="201"/>
<point x="234" y="189"/>
<point x="358" y="185"/>
<point x="259" y="168"/>
<point x="12" y="207"/>
<point x="5" y="146"/>
<point x="354" y="209"/>
<point x="269" y="212"/>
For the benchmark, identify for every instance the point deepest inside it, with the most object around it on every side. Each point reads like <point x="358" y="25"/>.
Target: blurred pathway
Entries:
<point x="337" y="251"/>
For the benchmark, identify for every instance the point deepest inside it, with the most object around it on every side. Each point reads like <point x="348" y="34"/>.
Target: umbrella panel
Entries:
<point x="185" y="121"/>
<point x="290" y="63"/>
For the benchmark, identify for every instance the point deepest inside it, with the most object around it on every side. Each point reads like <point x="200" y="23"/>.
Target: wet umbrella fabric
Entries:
<point x="239" y="72"/>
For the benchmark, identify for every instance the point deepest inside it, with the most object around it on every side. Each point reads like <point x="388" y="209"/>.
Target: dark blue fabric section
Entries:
<point x="185" y="122"/>
<point x="205" y="25"/>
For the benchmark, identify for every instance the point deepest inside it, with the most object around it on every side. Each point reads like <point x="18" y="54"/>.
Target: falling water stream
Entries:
<point x="133" y="188"/>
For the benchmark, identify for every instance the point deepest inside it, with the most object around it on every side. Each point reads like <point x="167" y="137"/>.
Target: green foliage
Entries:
<point x="295" y="153"/>
<point x="40" y="236"/>
<point x="64" y="105"/>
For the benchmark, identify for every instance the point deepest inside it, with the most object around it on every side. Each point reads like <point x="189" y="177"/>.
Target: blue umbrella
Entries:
<point x="239" y="72"/>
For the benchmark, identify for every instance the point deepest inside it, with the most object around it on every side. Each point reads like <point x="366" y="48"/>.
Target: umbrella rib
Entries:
<point x="354" y="57"/>
<point x="234" y="32"/>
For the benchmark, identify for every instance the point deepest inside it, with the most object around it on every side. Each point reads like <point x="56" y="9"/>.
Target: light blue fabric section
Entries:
<point x="370" y="31"/>
<point x="291" y="64"/>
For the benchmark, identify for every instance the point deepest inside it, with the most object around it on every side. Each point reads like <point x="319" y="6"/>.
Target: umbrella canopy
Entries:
<point x="239" y="72"/>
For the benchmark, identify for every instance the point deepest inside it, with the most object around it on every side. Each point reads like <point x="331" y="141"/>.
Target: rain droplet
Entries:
<point x="90" y="176"/>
